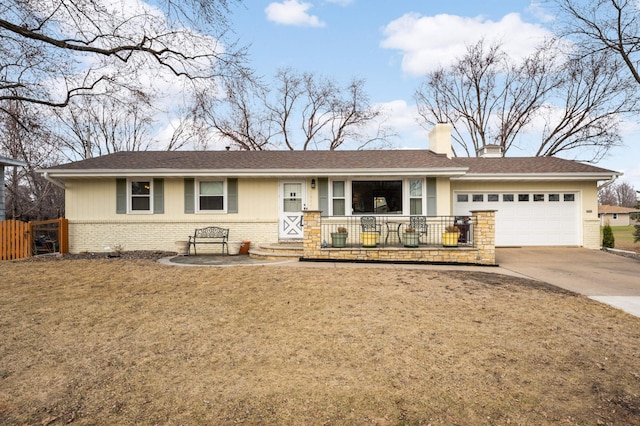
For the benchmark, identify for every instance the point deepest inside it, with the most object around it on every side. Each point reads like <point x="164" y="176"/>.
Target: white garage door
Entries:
<point x="527" y="218"/>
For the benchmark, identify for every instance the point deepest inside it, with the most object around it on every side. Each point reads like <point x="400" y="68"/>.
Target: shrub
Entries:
<point x="607" y="237"/>
<point x="636" y="234"/>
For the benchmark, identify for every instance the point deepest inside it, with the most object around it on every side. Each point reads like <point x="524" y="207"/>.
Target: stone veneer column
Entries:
<point x="312" y="243"/>
<point x="484" y="236"/>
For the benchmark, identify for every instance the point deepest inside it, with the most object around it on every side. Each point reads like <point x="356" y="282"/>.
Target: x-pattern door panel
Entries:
<point x="291" y="204"/>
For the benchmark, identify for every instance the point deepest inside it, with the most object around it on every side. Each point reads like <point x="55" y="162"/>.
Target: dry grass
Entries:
<point x="134" y="342"/>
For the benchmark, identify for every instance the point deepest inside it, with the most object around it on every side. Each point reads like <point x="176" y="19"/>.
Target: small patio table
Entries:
<point x="390" y="229"/>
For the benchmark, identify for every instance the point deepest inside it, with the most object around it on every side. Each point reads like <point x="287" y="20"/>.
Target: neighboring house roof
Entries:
<point x="604" y="209"/>
<point x="333" y="163"/>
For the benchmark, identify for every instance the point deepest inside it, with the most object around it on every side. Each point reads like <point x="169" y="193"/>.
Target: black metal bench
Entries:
<point x="209" y="235"/>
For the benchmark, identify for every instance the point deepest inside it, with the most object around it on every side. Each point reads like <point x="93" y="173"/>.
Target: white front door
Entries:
<point x="291" y="205"/>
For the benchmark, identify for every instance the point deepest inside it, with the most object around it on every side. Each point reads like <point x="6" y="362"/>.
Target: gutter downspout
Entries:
<point x="53" y="181"/>
<point x="609" y="182"/>
<point x="604" y="185"/>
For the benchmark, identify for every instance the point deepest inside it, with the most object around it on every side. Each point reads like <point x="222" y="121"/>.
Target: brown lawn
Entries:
<point x="116" y="341"/>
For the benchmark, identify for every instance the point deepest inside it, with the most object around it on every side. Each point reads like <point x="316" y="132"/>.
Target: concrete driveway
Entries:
<point x="606" y="277"/>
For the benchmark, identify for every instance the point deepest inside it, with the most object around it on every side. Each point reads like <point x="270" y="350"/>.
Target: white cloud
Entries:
<point x="536" y="9"/>
<point x="402" y="117"/>
<point x="427" y="42"/>
<point x="292" y="12"/>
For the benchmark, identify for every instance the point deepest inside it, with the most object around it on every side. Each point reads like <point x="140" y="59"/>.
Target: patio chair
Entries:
<point x="419" y="223"/>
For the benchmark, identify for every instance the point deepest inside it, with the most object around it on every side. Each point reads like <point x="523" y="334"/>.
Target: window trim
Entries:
<point x="130" y="195"/>
<point x="197" y="196"/>
<point x="332" y="198"/>
<point x="406" y="193"/>
<point x="422" y="197"/>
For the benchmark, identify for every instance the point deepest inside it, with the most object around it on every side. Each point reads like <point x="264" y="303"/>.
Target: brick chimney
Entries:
<point x="440" y="139"/>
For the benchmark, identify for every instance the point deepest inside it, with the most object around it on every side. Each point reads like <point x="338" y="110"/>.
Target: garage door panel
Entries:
<point x="530" y="223"/>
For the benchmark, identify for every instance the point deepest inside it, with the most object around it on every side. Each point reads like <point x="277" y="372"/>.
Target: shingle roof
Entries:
<point x="525" y="165"/>
<point x="300" y="161"/>
<point x="263" y="160"/>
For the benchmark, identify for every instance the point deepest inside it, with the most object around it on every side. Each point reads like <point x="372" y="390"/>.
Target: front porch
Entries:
<point x="389" y="239"/>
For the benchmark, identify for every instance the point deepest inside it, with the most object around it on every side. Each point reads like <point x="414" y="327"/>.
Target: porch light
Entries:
<point x="313" y="184"/>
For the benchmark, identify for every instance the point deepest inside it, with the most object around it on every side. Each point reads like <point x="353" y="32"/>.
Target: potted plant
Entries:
<point x="369" y="239"/>
<point x="450" y="236"/>
<point x="339" y="239"/>
<point x="411" y="238"/>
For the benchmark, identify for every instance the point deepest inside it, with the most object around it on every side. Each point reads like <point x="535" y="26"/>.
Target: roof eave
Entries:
<point x="11" y="162"/>
<point x="537" y="176"/>
<point x="63" y="173"/>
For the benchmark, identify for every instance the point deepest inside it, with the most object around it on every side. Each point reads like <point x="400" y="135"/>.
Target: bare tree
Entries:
<point x="52" y="51"/>
<point x="603" y="26"/>
<point x="607" y="196"/>
<point x="618" y="194"/>
<point x="29" y="195"/>
<point x="100" y="124"/>
<point x="491" y="100"/>
<point x="244" y="122"/>
<point x="626" y="195"/>
<point x="592" y="100"/>
<point x="299" y="111"/>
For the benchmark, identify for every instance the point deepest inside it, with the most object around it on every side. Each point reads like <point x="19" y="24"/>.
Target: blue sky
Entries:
<point x="391" y="44"/>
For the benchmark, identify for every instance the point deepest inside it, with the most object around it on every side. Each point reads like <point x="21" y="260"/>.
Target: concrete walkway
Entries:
<point x="605" y="277"/>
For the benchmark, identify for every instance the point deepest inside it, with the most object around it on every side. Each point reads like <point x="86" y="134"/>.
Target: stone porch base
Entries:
<point x="483" y="252"/>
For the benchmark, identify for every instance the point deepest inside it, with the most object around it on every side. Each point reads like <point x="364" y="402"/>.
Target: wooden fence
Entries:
<point x="19" y="240"/>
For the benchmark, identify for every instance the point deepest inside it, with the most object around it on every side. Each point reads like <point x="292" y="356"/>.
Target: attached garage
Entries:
<point x="539" y="201"/>
<point x="528" y="218"/>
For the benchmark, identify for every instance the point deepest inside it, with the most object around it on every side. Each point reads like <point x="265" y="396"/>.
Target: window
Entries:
<point x="554" y="197"/>
<point x="538" y="197"/>
<point x="507" y="198"/>
<point x="615" y="216"/>
<point x="478" y="198"/>
<point x="377" y="196"/>
<point x="140" y="196"/>
<point x="463" y="198"/>
<point x="415" y="196"/>
<point x="523" y="197"/>
<point x="339" y="200"/>
<point x="493" y="198"/>
<point x="569" y="197"/>
<point x="210" y="196"/>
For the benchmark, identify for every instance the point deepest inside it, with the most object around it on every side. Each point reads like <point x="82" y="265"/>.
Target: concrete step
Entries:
<point x="277" y="251"/>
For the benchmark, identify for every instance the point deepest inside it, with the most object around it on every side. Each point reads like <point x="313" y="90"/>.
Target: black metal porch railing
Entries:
<point x="397" y="231"/>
